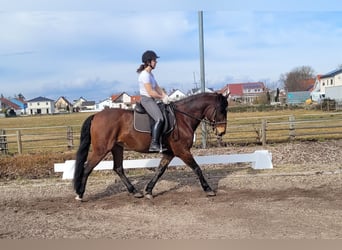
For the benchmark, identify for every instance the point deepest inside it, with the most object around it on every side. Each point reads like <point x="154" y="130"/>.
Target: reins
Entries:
<point x="205" y="120"/>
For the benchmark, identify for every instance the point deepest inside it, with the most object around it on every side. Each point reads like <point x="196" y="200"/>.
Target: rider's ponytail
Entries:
<point x="141" y="68"/>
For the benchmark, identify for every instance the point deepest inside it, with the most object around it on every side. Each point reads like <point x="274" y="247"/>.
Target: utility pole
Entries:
<point x="195" y="82"/>
<point x="202" y="69"/>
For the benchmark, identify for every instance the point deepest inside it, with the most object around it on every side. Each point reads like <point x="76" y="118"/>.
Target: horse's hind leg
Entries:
<point x="89" y="165"/>
<point x="117" y="152"/>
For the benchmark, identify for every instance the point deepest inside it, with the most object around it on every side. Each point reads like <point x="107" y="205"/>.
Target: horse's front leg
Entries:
<point x="117" y="152"/>
<point x="190" y="161"/>
<point x="164" y="162"/>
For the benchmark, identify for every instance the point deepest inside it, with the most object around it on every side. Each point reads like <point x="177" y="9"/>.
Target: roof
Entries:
<point x="115" y="97"/>
<point x="65" y="100"/>
<point x="81" y="99"/>
<point x="253" y="85"/>
<point x="135" y="99"/>
<point x="88" y="103"/>
<point x="332" y="73"/>
<point x="307" y="84"/>
<point x="176" y="91"/>
<point x="40" y="99"/>
<point x="21" y="103"/>
<point x="9" y="104"/>
<point x="236" y="89"/>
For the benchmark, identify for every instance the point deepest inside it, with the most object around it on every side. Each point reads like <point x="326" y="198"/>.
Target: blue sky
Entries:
<point x="76" y="48"/>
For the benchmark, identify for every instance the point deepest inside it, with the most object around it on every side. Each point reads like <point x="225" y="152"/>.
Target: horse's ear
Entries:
<point x="226" y="94"/>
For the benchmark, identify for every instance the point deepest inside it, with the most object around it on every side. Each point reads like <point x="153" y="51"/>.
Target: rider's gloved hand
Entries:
<point x="166" y="99"/>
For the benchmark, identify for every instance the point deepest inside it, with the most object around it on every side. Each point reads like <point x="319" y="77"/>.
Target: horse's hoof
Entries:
<point x="138" y="195"/>
<point x="149" y="196"/>
<point x="78" y="198"/>
<point x="210" y="193"/>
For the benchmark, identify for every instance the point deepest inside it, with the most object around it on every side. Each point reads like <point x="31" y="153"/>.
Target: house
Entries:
<point x="134" y="100"/>
<point x="328" y="86"/>
<point x="244" y="92"/>
<point x="88" y="106"/>
<point x="21" y="103"/>
<point x="331" y="79"/>
<point x="78" y="103"/>
<point x="106" y="103"/>
<point x="63" y="105"/>
<point x="122" y="101"/>
<point x="40" y="105"/>
<point x="9" y="107"/>
<point x="176" y="95"/>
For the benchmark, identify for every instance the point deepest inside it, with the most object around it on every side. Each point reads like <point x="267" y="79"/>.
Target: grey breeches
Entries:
<point x="152" y="108"/>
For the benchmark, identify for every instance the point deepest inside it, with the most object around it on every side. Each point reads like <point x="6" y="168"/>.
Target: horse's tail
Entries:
<point x="82" y="152"/>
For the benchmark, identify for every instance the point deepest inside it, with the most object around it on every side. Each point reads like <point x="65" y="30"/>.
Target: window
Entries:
<point x="331" y="81"/>
<point x="38" y="104"/>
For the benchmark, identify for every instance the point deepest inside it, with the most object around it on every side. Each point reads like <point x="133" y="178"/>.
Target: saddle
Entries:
<point x="143" y="122"/>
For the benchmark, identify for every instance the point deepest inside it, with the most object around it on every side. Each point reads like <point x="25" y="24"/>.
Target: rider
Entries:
<point x="150" y="92"/>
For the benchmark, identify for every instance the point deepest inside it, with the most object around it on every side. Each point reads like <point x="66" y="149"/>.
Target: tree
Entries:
<point x="21" y="97"/>
<point x="295" y="79"/>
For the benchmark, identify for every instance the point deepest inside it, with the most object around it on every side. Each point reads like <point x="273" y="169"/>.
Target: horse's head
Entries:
<point x="216" y="114"/>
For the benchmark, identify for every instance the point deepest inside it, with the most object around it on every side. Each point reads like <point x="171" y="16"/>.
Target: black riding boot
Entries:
<point x="156" y="132"/>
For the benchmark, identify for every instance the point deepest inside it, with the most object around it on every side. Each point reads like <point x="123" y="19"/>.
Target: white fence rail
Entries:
<point x="260" y="159"/>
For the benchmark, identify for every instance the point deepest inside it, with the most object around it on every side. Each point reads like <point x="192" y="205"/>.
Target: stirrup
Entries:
<point x="163" y="148"/>
<point x="154" y="148"/>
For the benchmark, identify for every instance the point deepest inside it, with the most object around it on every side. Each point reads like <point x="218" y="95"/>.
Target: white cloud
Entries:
<point x="48" y="52"/>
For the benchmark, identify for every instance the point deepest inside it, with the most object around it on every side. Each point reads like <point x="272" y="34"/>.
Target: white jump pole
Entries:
<point x="260" y="159"/>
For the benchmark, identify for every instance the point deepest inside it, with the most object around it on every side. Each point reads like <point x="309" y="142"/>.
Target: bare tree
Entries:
<point x="294" y="80"/>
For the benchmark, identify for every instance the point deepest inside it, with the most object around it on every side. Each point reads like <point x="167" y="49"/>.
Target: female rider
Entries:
<point x="150" y="92"/>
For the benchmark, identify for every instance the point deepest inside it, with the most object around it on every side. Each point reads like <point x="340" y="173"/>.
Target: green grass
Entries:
<point x="42" y="133"/>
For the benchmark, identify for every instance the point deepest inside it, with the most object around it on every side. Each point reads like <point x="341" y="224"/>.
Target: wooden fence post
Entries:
<point x="292" y="131"/>
<point x="70" y="137"/>
<point x="3" y="142"/>
<point x="263" y="131"/>
<point x="20" y="145"/>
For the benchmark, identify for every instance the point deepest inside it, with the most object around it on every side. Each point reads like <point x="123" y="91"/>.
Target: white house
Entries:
<point x="247" y="92"/>
<point x="122" y="101"/>
<point x="106" y="103"/>
<point x="176" y="95"/>
<point x="330" y="81"/>
<point x="40" y="105"/>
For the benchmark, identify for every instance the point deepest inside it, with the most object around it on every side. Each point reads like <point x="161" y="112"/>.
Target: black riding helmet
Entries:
<point x="148" y="56"/>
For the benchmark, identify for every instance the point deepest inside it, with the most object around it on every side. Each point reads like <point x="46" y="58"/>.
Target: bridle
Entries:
<point x="211" y="121"/>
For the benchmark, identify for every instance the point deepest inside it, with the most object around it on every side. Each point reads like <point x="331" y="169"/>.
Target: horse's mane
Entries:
<point x="191" y="98"/>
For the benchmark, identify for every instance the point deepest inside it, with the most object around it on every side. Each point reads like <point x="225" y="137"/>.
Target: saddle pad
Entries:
<point x="142" y="122"/>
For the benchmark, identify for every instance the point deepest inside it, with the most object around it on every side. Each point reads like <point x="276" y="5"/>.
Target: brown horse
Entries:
<point x="111" y="130"/>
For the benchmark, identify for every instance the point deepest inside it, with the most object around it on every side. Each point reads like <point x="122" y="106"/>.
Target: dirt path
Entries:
<point x="300" y="198"/>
